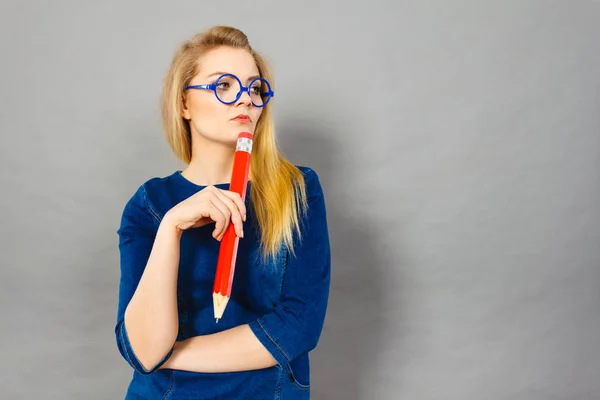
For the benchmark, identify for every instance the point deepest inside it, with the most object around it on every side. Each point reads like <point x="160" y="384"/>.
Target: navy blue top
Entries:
<point x="284" y="300"/>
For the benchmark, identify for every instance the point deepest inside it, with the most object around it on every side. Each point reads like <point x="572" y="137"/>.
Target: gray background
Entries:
<point x="458" y="143"/>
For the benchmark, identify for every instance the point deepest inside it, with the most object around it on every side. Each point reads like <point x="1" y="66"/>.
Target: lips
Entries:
<point x="242" y="118"/>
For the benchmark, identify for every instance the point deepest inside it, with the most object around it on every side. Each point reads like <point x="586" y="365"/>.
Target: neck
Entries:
<point x="212" y="162"/>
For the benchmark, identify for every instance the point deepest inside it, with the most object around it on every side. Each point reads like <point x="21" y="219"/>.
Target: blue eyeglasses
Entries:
<point x="228" y="89"/>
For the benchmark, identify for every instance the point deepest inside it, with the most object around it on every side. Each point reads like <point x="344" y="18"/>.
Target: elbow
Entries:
<point x="309" y="328"/>
<point x="147" y="364"/>
<point x="312" y="336"/>
<point x="144" y="362"/>
<point x="289" y="332"/>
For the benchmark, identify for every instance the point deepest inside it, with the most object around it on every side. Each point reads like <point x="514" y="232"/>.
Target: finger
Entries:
<point x="237" y="199"/>
<point x="224" y="215"/>
<point x="236" y="214"/>
<point x="217" y="215"/>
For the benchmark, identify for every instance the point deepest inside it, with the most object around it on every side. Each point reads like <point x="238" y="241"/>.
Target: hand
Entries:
<point x="208" y="205"/>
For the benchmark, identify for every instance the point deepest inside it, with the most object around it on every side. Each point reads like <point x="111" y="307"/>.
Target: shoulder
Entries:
<point x="315" y="198"/>
<point x="141" y="205"/>
<point x="159" y="184"/>
<point x="148" y="189"/>
<point x="311" y="181"/>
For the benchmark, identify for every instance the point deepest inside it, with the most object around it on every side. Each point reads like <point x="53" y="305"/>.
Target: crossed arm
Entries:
<point x="232" y="350"/>
<point x="290" y="330"/>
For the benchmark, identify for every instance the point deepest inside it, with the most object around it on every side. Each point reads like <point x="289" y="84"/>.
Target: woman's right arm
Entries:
<point x="147" y="320"/>
<point x="147" y="316"/>
<point x="151" y="318"/>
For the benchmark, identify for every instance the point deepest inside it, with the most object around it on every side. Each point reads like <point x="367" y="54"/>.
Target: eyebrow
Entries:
<point x="221" y="73"/>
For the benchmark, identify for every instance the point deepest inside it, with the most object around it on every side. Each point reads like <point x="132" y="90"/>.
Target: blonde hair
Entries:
<point x="277" y="192"/>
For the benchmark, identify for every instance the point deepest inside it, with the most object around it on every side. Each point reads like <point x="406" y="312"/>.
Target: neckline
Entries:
<point x="181" y="178"/>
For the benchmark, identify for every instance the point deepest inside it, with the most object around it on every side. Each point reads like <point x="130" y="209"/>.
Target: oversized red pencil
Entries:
<point x="229" y="243"/>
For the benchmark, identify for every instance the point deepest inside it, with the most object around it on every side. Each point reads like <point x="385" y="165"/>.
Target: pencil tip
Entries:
<point x="217" y="320"/>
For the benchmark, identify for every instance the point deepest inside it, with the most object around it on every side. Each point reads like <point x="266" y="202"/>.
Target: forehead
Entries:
<point x="226" y="59"/>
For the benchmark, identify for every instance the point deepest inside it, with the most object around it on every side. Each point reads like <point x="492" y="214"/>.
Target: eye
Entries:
<point x="256" y="89"/>
<point x="223" y="85"/>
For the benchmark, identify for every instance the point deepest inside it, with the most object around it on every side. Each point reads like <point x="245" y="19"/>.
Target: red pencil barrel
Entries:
<point x="229" y="243"/>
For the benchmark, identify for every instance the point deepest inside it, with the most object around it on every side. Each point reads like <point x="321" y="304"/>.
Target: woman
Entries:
<point x="169" y="242"/>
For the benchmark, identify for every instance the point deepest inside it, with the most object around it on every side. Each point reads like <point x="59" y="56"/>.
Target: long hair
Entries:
<point x="277" y="192"/>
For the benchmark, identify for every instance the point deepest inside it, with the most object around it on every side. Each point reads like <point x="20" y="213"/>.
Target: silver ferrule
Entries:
<point x="244" y="144"/>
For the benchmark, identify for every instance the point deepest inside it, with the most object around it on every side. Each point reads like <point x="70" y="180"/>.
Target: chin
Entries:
<point x="236" y="131"/>
<point x="232" y="136"/>
<point x="229" y="139"/>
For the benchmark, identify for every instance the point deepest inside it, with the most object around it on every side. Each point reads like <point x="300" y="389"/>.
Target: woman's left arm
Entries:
<point x="293" y="328"/>
<point x="235" y="349"/>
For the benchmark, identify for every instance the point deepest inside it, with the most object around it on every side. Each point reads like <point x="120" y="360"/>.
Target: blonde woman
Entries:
<point x="218" y="86"/>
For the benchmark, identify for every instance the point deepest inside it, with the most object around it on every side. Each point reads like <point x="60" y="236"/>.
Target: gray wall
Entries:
<point x="458" y="143"/>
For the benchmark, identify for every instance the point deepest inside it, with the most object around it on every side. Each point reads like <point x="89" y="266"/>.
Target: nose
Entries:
<point x="245" y="99"/>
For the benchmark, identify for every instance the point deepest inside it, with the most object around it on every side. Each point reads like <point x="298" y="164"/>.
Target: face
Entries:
<point x="209" y="117"/>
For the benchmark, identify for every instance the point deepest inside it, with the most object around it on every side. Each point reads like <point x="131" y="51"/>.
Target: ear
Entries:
<point x="185" y="112"/>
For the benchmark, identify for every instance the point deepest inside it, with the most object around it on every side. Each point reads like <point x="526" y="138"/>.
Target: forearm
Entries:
<point x="233" y="350"/>
<point x="151" y="317"/>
